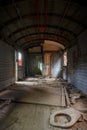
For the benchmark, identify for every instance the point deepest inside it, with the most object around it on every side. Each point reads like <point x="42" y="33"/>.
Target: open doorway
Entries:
<point x="18" y="65"/>
<point x="65" y="65"/>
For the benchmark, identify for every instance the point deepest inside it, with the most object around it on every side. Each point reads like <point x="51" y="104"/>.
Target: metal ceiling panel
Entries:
<point x="63" y="18"/>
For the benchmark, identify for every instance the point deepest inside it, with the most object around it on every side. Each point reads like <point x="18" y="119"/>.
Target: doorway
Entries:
<point x="18" y="65"/>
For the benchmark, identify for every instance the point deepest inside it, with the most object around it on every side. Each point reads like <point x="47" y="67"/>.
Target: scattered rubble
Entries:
<point x="73" y="100"/>
<point x="85" y="117"/>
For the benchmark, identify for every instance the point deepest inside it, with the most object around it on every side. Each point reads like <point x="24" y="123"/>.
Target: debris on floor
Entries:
<point x="81" y="104"/>
<point x="85" y="117"/>
<point x="70" y="114"/>
<point x="74" y="97"/>
<point x="68" y="103"/>
<point x="5" y="108"/>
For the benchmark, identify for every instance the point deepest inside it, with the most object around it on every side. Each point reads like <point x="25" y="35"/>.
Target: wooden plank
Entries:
<point x="67" y="97"/>
<point x="63" y="97"/>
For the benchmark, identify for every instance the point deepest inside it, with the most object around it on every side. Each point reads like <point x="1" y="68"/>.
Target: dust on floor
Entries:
<point x="34" y="116"/>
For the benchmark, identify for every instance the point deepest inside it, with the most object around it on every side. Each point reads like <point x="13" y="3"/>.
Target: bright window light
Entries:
<point x="65" y="58"/>
<point x="19" y="59"/>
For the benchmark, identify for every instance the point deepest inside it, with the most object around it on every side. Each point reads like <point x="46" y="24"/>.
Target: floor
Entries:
<point x="27" y="115"/>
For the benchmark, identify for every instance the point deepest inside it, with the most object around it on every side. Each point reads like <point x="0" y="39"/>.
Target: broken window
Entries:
<point x="19" y="59"/>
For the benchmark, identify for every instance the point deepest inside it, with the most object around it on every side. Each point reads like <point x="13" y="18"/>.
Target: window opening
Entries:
<point x="19" y="59"/>
<point x="65" y="59"/>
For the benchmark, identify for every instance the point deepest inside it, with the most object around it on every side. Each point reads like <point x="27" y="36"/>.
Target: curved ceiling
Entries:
<point x="48" y="46"/>
<point x="27" y="23"/>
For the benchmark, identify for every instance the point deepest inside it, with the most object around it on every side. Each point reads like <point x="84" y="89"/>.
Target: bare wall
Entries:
<point x="77" y="63"/>
<point x="7" y="65"/>
<point x="56" y="64"/>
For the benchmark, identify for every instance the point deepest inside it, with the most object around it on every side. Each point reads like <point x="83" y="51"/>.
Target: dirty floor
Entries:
<point x="28" y="115"/>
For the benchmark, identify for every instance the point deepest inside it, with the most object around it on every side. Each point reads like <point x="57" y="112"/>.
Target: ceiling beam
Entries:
<point x="48" y="26"/>
<point x="35" y="41"/>
<point x="36" y="35"/>
<point x="34" y="44"/>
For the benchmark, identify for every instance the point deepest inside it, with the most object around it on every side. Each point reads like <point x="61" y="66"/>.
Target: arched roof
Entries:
<point x="26" y="23"/>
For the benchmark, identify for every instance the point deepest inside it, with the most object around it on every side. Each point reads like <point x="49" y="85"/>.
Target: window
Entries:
<point x="65" y="59"/>
<point x="19" y="59"/>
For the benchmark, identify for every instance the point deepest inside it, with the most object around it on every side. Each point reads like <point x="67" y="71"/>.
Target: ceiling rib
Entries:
<point x="48" y="26"/>
<point x="64" y="13"/>
<point x="6" y="11"/>
<point x="20" y="17"/>
<point x="28" y="44"/>
<point x="37" y="17"/>
<point x="35" y="42"/>
<point x="37" y="32"/>
<point x="27" y="16"/>
<point x="45" y="17"/>
<point x="46" y="33"/>
<point x="32" y="45"/>
<point x="5" y="37"/>
<point x="49" y="37"/>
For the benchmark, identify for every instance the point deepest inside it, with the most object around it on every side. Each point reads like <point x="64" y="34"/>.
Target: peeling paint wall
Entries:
<point x="77" y="63"/>
<point x="34" y="64"/>
<point x="56" y="64"/>
<point x="7" y="65"/>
